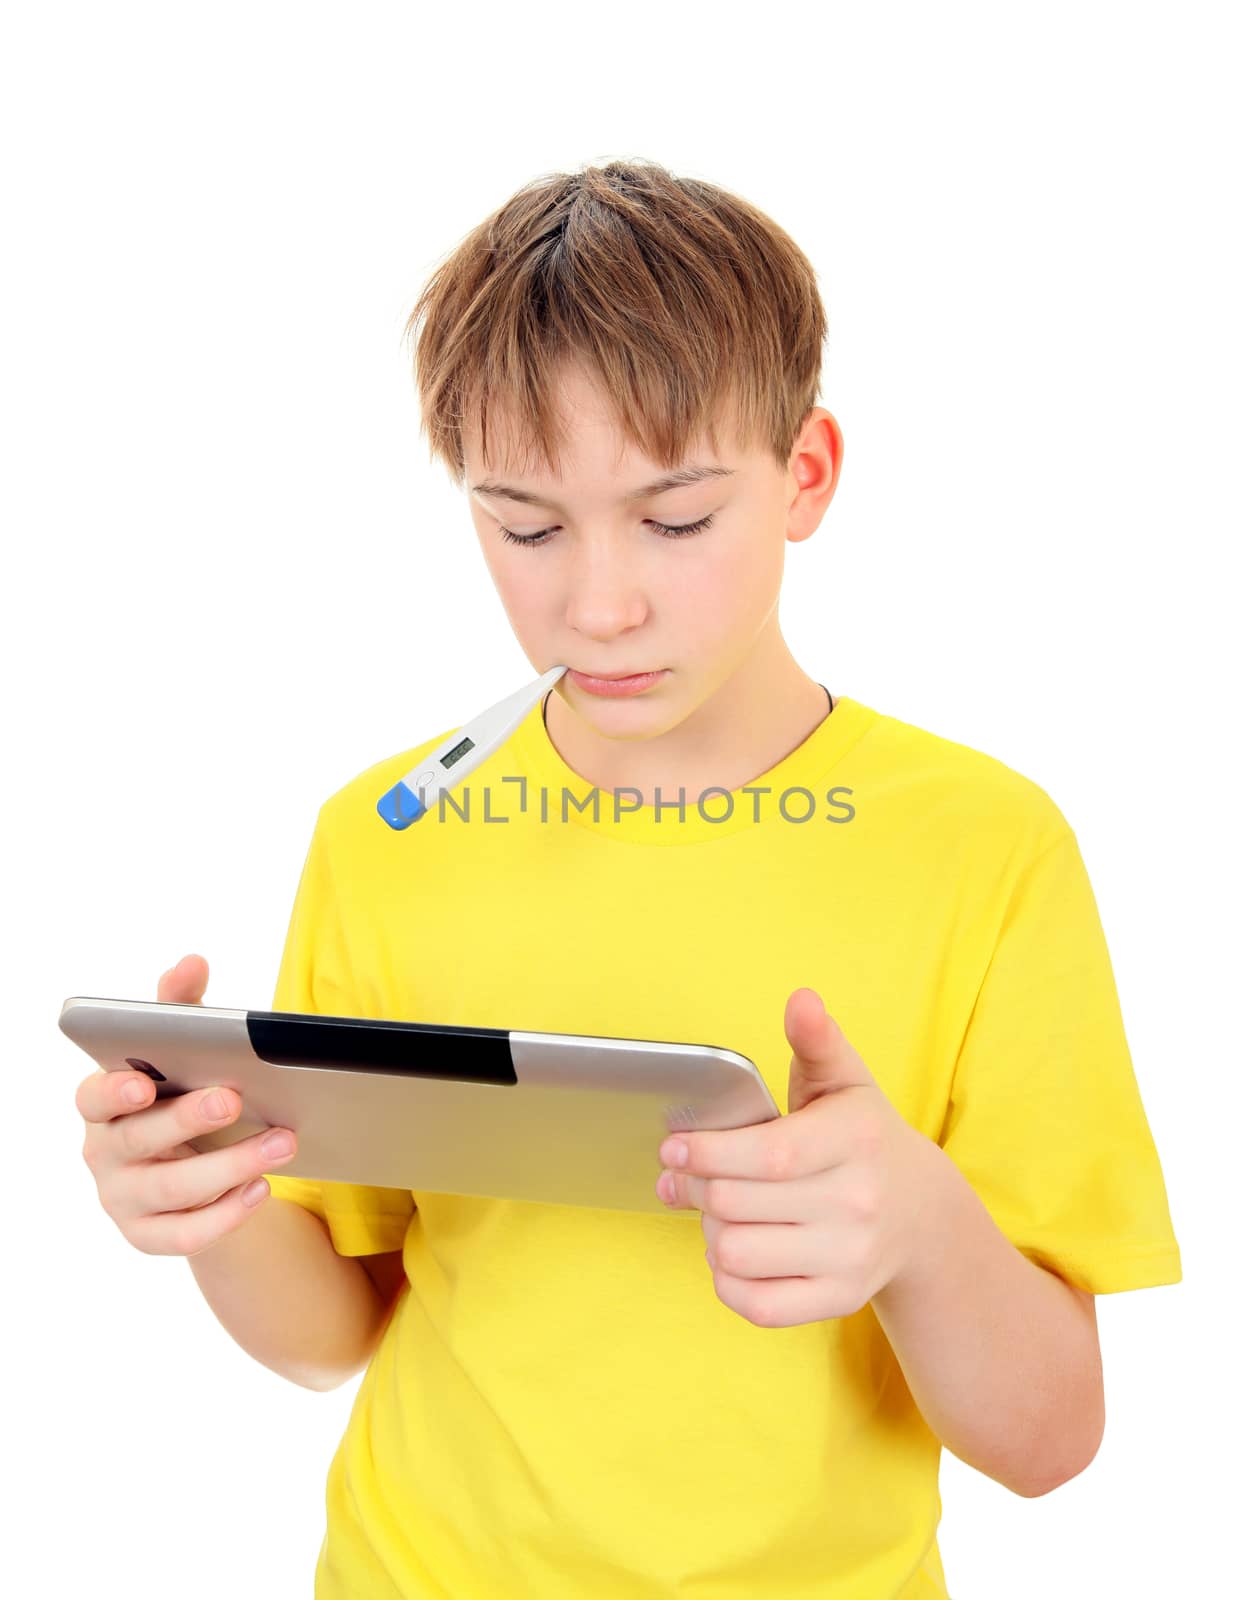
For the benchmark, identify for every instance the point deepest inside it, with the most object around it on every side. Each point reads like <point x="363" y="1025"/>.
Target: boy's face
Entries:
<point x="606" y="592"/>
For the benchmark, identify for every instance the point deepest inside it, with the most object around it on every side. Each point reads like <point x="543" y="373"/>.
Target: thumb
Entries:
<point x="184" y="982"/>
<point x="823" y="1059"/>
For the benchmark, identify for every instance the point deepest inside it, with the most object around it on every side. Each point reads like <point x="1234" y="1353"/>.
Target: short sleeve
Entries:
<point x="315" y="978"/>
<point x="1045" y="1119"/>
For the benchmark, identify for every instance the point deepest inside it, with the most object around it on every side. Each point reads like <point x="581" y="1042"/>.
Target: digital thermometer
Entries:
<point x="460" y="753"/>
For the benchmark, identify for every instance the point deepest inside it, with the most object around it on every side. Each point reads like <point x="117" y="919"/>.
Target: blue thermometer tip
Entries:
<point x="400" y="806"/>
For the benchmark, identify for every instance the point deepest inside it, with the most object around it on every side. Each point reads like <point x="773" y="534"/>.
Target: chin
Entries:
<point x="628" y="720"/>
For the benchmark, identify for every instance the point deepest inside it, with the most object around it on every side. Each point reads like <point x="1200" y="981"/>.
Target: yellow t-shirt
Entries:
<point x="560" y="1405"/>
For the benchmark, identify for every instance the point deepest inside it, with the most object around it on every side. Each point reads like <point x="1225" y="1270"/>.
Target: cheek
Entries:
<point x="533" y="602"/>
<point x="523" y="597"/>
<point x="728" y="590"/>
<point x="514" y="576"/>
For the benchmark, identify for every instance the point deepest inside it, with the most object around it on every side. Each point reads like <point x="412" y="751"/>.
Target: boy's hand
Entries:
<point x="808" y="1217"/>
<point x="167" y="1198"/>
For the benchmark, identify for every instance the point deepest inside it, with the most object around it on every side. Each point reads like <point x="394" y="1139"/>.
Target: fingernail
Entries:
<point x="135" y="1093"/>
<point x="214" y="1105"/>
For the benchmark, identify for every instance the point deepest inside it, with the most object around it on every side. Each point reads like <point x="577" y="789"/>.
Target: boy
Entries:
<point x="563" y="1402"/>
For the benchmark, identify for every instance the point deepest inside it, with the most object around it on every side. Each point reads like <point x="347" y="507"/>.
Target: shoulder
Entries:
<point x="948" y="789"/>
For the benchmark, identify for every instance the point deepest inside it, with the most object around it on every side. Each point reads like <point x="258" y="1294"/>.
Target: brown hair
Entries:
<point x="681" y="301"/>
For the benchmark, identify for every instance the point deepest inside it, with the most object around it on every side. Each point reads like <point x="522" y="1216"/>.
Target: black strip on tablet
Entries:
<point x="403" y="1049"/>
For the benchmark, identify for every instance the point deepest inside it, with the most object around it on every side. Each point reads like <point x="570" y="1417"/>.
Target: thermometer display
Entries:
<point x="457" y="751"/>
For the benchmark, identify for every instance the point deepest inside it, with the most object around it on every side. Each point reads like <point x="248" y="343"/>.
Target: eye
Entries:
<point x="665" y="530"/>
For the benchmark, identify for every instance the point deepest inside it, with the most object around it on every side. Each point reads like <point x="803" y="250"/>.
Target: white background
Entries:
<point x="232" y="579"/>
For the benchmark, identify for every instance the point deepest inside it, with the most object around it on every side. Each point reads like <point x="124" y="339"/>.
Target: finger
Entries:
<point x="768" y="1250"/>
<point x="781" y="1302"/>
<point x="186" y="1233"/>
<point x="202" y="1177"/>
<point x="106" y="1095"/>
<point x="711" y="1230"/>
<point x="820" y="1135"/>
<point x="184" y="983"/>
<point x="165" y="1128"/>
<point x="750" y="1200"/>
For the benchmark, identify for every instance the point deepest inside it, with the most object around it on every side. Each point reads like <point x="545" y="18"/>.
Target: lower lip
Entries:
<point x="615" y="687"/>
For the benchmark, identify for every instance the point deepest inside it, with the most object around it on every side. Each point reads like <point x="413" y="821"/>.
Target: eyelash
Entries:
<point x="686" y="531"/>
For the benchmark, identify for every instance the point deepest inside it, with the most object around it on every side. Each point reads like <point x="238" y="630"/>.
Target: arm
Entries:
<point x="1001" y="1356"/>
<point x="279" y="1288"/>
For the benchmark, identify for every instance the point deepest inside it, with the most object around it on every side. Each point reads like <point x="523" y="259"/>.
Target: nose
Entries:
<point x="606" y="597"/>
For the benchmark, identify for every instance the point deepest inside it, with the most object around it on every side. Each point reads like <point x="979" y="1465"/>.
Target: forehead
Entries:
<point x="590" y="427"/>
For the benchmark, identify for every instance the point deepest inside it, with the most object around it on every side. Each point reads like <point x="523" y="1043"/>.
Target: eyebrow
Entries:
<point x="671" y="480"/>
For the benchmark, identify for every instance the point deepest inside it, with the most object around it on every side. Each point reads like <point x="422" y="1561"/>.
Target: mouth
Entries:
<point x="615" y="677"/>
<point x="615" y="682"/>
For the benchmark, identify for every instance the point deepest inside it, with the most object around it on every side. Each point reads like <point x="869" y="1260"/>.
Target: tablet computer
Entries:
<point x="562" y="1118"/>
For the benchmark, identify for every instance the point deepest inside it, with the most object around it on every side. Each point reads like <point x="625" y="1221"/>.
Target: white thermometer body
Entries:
<point x="414" y="795"/>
